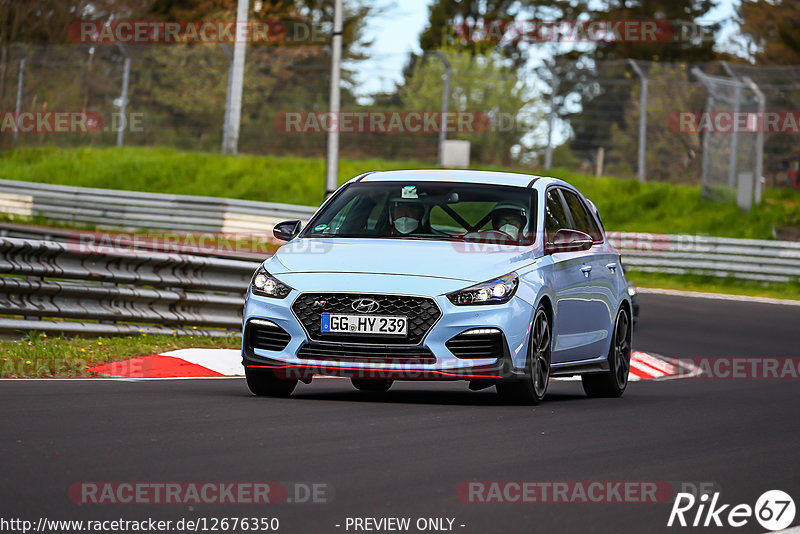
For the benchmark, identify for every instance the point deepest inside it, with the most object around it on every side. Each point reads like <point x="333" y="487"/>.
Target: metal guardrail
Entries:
<point x="111" y="208"/>
<point x="57" y="287"/>
<point x="752" y="259"/>
<point x="80" y="289"/>
<point x="258" y="249"/>
<point x="50" y="283"/>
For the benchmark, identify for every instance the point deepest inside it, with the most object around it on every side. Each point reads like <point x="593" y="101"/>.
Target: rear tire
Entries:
<point x="264" y="383"/>
<point x="372" y="386"/>
<point x="613" y="383"/>
<point x="533" y="388"/>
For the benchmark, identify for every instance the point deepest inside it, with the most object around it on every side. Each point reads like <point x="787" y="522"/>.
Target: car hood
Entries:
<point x="440" y="259"/>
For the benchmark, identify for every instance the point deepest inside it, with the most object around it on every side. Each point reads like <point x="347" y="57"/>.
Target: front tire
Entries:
<point x="264" y="383"/>
<point x="372" y="386"/>
<point x="533" y="388"/>
<point x="613" y="382"/>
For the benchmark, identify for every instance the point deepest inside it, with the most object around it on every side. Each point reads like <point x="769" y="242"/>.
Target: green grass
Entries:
<point x="714" y="284"/>
<point x="287" y="179"/>
<point x="626" y="205"/>
<point x="38" y="355"/>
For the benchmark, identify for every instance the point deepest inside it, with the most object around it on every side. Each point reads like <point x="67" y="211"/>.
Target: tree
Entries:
<point x="486" y="84"/>
<point x="450" y="23"/>
<point x="588" y="71"/>
<point x="672" y="156"/>
<point x="772" y="28"/>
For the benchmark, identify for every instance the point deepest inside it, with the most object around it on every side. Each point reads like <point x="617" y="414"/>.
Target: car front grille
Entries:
<point x="341" y="352"/>
<point x="421" y="312"/>
<point x="266" y="335"/>
<point x="477" y="344"/>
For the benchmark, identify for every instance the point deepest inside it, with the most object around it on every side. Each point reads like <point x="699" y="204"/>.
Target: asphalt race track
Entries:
<point x="404" y="454"/>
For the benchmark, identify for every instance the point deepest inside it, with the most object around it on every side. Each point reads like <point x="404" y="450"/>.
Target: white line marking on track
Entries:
<point x="226" y="362"/>
<point x="716" y="296"/>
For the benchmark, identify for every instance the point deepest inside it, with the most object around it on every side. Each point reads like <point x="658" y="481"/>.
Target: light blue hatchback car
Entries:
<point x="498" y="279"/>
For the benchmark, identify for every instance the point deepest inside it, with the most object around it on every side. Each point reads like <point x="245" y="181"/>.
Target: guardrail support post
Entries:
<point x="234" y="100"/>
<point x="226" y="120"/>
<point x="641" y="165"/>
<point x="123" y="105"/>
<point x="332" y="161"/>
<point x="20" y="84"/>
<point x="555" y="82"/>
<point x="762" y="105"/>
<point x="445" y="104"/>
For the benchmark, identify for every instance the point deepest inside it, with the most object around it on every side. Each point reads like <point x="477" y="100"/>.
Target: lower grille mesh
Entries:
<point x="266" y="336"/>
<point x="473" y="346"/>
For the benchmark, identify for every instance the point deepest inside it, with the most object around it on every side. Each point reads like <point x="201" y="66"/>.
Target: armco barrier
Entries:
<point x="111" y="208"/>
<point x="754" y="259"/>
<point x="54" y="287"/>
<point x="59" y="287"/>
<point x="762" y="260"/>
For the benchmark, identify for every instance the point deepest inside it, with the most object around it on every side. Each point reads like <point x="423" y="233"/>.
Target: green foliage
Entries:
<point x="450" y="21"/>
<point x="626" y="205"/>
<point x="481" y="83"/>
<point x="771" y="25"/>
<point x="671" y="156"/>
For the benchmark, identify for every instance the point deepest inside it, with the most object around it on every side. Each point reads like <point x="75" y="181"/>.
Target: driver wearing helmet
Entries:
<point x="509" y="218"/>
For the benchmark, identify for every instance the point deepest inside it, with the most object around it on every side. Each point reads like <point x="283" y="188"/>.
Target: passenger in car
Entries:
<point x="509" y="218"/>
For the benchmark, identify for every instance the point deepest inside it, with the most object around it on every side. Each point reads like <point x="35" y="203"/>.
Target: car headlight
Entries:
<point x="497" y="291"/>
<point x="267" y="285"/>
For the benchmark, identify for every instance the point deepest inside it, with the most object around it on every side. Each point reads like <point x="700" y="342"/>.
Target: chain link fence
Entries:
<point x="176" y="98"/>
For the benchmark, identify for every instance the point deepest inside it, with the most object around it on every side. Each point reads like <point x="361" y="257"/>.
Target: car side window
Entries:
<point x="581" y="218"/>
<point x="555" y="216"/>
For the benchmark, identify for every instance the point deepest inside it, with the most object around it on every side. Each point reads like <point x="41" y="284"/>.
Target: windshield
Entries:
<point x="430" y="210"/>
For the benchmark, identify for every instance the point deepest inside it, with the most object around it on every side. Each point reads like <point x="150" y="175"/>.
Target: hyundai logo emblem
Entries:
<point x="365" y="305"/>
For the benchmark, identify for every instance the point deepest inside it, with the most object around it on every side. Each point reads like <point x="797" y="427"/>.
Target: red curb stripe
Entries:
<point x="154" y="366"/>
<point x="654" y="372"/>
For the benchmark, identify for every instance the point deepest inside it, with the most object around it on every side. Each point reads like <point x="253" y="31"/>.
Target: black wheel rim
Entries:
<point x="622" y="349"/>
<point x="540" y="357"/>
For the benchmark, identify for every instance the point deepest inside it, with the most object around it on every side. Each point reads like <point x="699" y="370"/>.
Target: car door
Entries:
<point x="599" y="269"/>
<point x="571" y="288"/>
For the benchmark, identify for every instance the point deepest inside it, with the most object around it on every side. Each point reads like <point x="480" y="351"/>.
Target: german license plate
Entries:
<point x="393" y="325"/>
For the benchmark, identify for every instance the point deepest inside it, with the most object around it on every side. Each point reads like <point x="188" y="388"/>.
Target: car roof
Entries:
<point x="461" y="176"/>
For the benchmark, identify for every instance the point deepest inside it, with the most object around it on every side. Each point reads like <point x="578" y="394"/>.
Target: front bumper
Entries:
<point x="432" y="358"/>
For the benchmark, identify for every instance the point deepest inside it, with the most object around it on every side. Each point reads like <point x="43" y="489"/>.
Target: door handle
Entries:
<point x="611" y="267"/>
<point x="586" y="270"/>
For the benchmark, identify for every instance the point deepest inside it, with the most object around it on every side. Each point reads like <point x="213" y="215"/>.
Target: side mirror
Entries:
<point x="286" y="230"/>
<point x="569" y="241"/>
